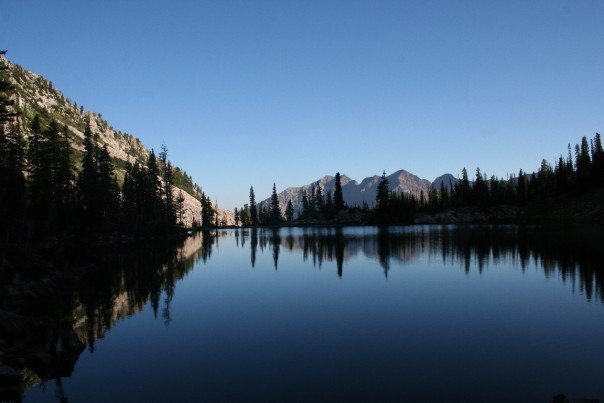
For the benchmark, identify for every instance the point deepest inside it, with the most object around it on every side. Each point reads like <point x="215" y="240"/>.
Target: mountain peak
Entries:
<point x="448" y="180"/>
<point x="355" y="193"/>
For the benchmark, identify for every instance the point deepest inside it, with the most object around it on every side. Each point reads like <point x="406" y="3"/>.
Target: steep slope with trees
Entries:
<point x="33" y="95"/>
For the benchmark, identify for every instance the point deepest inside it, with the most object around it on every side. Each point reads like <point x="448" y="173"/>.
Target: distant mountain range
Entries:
<point x="355" y="193"/>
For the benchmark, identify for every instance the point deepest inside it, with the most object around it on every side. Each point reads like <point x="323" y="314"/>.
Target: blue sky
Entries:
<point x="255" y="92"/>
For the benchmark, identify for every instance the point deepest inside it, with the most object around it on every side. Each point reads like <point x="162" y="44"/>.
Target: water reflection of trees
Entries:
<point x="575" y="254"/>
<point x="120" y="282"/>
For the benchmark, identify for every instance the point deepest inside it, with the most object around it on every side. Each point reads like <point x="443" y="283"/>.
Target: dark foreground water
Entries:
<point x="432" y="313"/>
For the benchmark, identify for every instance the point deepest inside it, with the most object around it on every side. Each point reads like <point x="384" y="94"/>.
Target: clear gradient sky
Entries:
<point x="255" y="92"/>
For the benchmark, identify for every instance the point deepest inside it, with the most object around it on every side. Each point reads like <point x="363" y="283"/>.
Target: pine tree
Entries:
<point x="12" y="181"/>
<point x="39" y="172"/>
<point x="208" y="215"/>
<point x="521" y="187"/>
<point x="463" y="191"/>
<point x="244" y="215"/>
<point x="289" y="211"/>
<point x="153" y="202"/>
<point x="62" y="172"/>
<point x="87" y="184"/>
<point x="108" y="191"/>
<point x="319" y="200"/>
<point x="129" y="199"/>
<point x="443" y="196"/>
<point x="480" y="190"/>
<point x="12" y="165"/>
<point x="253" y="208"/>
<point x="236" y="216"/>
<point x="338" y="195"/>
<point x="598" y="160"/>
<point x="305" y="204"/>
<point x="167" y="191"/>
<point x="328" y="203"/>
<point x="275" y="210"/>
<point x="583" y="163"/>
<point x="433" y="199"/>
<point x="382" y="199"/>
<point x="6" y="89"/>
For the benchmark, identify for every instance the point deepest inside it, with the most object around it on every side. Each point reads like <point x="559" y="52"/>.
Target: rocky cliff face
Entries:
<point x="35" y="95"/>
<point x="355" y="193"/>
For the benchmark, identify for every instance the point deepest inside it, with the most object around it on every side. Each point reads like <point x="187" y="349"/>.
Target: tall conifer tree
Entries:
<point x="289" y="211"/>
<point x="338" y="195"/>
<point x="253" y="207"/>
<point x="275" y="211"/>
<point x="382" y="199"/>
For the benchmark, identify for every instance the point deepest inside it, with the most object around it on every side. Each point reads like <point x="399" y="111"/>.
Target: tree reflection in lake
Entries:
<point x="127" y="279"/>
<point x="46" y="336"/>
<point x="575" y="253"/>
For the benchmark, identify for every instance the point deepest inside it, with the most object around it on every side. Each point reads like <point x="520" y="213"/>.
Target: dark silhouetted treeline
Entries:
<point x="570" y="175"/>
<point x="317" y="205"/>
<point x="47" y="192"/>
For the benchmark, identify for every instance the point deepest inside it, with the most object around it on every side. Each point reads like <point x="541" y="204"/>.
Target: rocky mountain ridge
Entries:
<point x="35" y="95"/>
<point x="357" y="193"/>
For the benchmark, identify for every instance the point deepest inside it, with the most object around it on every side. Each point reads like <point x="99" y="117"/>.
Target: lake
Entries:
<point x="420" y="313"/>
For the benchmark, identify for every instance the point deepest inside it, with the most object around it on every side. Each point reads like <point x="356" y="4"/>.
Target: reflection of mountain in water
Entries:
<point x="47" y="345"/>
<point x="574" y="254"/>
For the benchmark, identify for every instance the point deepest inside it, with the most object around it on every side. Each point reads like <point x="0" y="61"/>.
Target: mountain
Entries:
<point x="447" y="179"/>
<point x="355" y="193"/>
<point x="34" y="94"/>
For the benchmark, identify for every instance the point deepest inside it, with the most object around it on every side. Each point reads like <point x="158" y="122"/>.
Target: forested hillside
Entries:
<point x="34" y="95"/>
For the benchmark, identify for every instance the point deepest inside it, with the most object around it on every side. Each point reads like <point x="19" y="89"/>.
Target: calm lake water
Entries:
<point x="432" y="313"/>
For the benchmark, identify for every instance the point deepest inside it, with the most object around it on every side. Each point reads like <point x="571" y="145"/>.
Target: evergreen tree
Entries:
<point x="12" y="181"/>
<point x="289" y="211"/>
<point x="583" y="163"/>
<point x="208" y="215"/>
<point x="480" y="190"/>
<point x="382" y="199"/>
<point x="463" y="191"/>
<point x="108" y="191"/>
<point x="6" y="89"/>
<point x="328" y="203"/>
<point x="168" y="188"/>
<point x="319" y="201"/>
<point x="521" y="187"/>
<point x="598" y="160"/>
<point x="306" y="209"/>
<point x="62" y="172"/>
<point x="275" y="210"/>
<point x="245" y="215"/>
<point x="39" y="172"/>
<point x="87" y="184"/>
<point x="433" y="203"/>
<point x="253" y="208"/>
<point x="154" y="195"/>
<point x="236" y="215"/>
<point x="338" y="195"/>
<point x="443" y="196"/>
